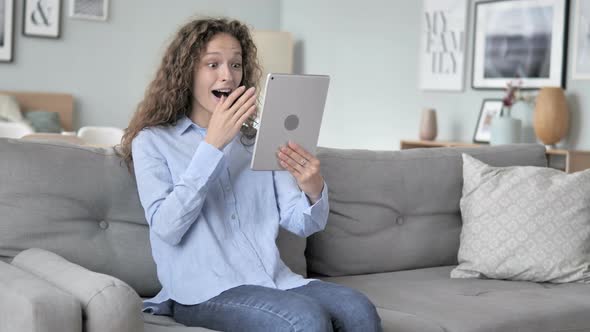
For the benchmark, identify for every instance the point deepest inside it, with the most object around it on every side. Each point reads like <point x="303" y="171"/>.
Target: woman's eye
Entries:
<point x="212" y="65"/>
<point x="237" y="65"/>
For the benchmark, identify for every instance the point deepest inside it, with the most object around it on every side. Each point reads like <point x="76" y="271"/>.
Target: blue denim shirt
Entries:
<point x="214" y="221"/>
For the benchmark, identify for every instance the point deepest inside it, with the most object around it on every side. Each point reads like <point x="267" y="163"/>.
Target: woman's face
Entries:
<point x="218" y="72"/>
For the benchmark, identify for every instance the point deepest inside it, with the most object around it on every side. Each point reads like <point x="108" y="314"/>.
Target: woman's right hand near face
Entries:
<point x="229" y="115"/>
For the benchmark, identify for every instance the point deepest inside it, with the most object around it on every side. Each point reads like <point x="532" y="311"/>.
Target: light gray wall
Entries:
<point x="370" y="49"/>
<point x="107" y="65"/>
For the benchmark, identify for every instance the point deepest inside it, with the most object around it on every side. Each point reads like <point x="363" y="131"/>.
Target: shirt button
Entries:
<point x="233" y="216"/>
<point x="227" y="188"/>
<point x="103" y="224"/>
<point x="399" y="220"/>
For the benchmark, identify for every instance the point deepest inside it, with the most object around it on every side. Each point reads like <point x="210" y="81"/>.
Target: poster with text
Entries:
<point x="581" y="67"/>
<point x="442" y="47"/>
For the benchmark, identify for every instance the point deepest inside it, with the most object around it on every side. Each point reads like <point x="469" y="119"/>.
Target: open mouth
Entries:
<point x="221" y="92"/>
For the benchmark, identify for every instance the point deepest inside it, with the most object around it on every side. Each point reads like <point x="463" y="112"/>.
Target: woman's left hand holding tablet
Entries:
<point x="305" y="167"/>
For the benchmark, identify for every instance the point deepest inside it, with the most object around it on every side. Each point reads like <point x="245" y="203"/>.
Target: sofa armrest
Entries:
<point x="108" y="303"/>
<point x="29" y="303"/>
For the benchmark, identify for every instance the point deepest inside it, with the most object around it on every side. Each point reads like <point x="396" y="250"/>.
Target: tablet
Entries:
<point x="292" y="110"/>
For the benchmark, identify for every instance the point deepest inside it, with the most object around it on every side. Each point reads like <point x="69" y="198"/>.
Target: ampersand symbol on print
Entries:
<point x="40" y="16"/>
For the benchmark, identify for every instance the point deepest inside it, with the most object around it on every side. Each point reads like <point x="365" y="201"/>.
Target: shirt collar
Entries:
<point x="184" y="123"/>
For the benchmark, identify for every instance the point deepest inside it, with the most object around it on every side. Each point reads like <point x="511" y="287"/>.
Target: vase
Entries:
<point x="428" y="127"/>
<point x="524" y="111"/>
<point x="551" y="118"/>
<point x="505" y="129"/>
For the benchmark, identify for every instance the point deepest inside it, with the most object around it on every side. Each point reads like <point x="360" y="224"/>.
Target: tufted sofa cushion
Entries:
<point x="81" y="203"/>
<point x="397" y="210"/>
<point x="78" y="202"/>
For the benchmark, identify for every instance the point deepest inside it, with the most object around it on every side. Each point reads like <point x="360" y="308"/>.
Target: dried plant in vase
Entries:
<point x="514" y="95"/>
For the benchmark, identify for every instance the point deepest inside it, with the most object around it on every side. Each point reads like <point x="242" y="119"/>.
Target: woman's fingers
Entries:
<point x="301" y="151"/>
<point x="292" y="160"/>
<point x="244" y="108"/>
<point x="246" y="96"/>
<point x="289" y="164"/>
<point x="232" y="97"/>
<point x="291" y="170"/>
<point x="220" y="105"/>
<point x="245" y="116"/>
<point x="295" y="156"/>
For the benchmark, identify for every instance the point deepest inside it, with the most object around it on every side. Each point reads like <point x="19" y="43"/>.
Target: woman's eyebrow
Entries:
<point x="237" y="53"/>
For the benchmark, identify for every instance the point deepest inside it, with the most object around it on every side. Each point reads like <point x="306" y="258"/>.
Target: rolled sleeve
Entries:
<point x="320" y="208"/>
<point x="297" y="215"/>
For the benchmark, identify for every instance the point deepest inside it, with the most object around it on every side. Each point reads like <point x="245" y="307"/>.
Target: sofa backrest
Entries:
<point x="82" y="203"/>
<point x="398" y="210"/>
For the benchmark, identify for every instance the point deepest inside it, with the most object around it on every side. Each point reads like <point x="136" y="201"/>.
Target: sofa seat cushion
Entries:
<point x="429" y="300"/>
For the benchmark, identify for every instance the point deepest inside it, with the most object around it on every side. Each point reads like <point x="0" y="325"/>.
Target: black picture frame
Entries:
<point x="7" y="17"/>
<point x="535" y="53"/>
<point x="489" y="109"/>
<point x="42" y="22"/>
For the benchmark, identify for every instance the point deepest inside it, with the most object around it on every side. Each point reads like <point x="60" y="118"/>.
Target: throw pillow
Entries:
<point x="9" y="109"/>
<point x="524" y="223"/>
<point x="44" y="122"/>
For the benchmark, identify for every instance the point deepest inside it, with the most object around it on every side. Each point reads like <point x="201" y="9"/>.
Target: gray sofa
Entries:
<point x="393" y="233"/>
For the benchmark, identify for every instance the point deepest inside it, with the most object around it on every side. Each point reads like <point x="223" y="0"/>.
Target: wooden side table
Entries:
<point x="569" y="161"/>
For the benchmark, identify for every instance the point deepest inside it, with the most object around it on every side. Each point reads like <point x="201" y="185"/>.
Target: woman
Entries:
<point x="213" y="221"/>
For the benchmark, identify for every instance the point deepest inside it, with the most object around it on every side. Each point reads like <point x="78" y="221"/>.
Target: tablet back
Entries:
<point x="291" y="111"/>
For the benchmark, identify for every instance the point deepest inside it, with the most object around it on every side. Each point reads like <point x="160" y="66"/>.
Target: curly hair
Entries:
<point x="170" y="94"/>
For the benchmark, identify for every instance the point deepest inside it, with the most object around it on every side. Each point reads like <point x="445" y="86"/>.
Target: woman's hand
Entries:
<point x="305" y="167"/>
<point x="227" y="119"/>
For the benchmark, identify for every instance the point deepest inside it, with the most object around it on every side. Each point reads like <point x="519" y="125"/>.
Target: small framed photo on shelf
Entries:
<point x="490" y="108"/>
<point x="42" y="18"/>
<point x="581" y="49"/>
<point x="520" y="40"/>
<point x="89" y="9"/>
<point x="6" y="30"/>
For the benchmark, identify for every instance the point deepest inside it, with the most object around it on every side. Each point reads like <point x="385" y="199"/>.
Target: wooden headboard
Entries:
<point x="61" y="103"/>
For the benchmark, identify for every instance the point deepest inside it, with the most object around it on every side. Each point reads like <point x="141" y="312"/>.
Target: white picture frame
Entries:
<point x="490" y="108"/>
<point x="6" y="30"/>
<point x="531" y="48"/>
<point x="581" y="41"/>
<point x="42" y="18"/>
<point x="442" y="47"/>
<point x="97" y="10"/>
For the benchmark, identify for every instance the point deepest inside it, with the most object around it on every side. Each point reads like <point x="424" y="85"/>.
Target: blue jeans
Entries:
<point x="317" y="306"/>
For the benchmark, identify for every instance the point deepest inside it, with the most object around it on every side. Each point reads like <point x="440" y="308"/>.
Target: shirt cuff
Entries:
<point x="319" y="204"/>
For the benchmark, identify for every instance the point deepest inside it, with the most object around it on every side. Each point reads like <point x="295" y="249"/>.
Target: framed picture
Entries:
<point x="442" y="48"/>
<point x="89" y="9"/>
<point x="581" y="67"/>
<point x="6" y="30"/>
<point x="42" y="18"/>
<point x="489" y="109"/>
<point x="520" y="39"/>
